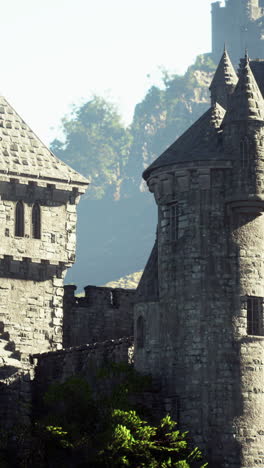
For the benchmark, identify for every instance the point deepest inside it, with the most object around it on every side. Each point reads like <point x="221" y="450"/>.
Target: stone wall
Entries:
<point x="199" y="324"/>
<point x="32" y="269"/>
<point x="237" y="25"/>
<point x="103" y="314"/>
<point x="84" y="361"/>
<point x="15" y="399"/>
<point x="58" y="221"/>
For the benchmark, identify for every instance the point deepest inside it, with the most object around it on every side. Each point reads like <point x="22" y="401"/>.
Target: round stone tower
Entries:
<point x="199" y="327"/>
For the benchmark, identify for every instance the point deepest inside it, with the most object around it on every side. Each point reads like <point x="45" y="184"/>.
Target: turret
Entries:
<point x="224" y="81"/>
<point x="243" y="133"/>
<point x="238" y="24"/>
<point x="201" y="335"/>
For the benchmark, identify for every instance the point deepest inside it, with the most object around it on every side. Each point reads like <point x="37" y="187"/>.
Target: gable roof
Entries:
<point x="200" y="141"/>
<point x="23" y="154"/>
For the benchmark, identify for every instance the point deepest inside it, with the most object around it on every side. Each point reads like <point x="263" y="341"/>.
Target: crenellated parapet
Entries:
<point x="103" y="313"/>
<point x="239" y="25"/>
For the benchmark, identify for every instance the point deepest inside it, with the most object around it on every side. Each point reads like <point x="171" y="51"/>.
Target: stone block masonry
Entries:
<point x="38" y="198"/>
<point x="202" y="335"/>
<point x="32" y="269"/>
<point x="84" y="361"/>
<point x="103" y="314"/>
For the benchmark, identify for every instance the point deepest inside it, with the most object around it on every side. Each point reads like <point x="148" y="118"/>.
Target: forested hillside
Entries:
<point x="117" y="217"/>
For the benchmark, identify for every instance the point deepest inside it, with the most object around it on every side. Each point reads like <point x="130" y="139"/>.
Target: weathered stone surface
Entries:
<point x="102" y="314"/>
<point x="38" y="197"/>
<point x="238" y="24"/>
<point x="83" y="360"/>
<point x="202" y="336"/>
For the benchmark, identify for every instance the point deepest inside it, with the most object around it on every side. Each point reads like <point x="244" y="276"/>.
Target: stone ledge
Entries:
<point x="89" y="346"/>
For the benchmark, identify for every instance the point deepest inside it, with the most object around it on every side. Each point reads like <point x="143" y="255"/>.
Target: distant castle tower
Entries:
<point x="239" y="24"/>
<point x="199" y="320"/>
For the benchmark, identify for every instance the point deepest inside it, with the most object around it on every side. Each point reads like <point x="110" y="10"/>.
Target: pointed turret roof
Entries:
<point x="225" y="74"/>
<point x="246" y="102"/>
<point x="200" y="141"/>
<point x="23" y="154"/>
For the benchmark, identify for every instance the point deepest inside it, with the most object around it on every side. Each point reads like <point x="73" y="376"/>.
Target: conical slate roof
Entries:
<point x="246" y="102"/>
<point x="23" y="154"/>
<point x="225" y="74"/>
<point x="200" y="141"/>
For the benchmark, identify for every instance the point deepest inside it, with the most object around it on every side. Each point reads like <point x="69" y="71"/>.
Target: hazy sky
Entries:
<point x="55" y="53"/>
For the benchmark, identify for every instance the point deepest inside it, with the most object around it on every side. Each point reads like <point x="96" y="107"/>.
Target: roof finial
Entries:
<point x="246" y="55"/>
<point x="225" y="47"/>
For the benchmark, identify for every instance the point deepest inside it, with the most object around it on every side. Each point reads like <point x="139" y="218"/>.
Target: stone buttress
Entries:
<point x="200" y="330"/>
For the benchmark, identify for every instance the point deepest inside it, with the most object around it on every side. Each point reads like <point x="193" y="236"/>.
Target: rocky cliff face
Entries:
<point x="116" y="236"/>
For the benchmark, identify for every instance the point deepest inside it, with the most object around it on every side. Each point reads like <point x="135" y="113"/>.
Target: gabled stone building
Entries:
<point x="38" y="197"/>
<point x="199" y="320"/>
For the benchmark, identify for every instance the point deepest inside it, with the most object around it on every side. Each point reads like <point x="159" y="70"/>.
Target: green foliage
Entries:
<point x="165" y="113"/>
<point x="96" y="144"/>
<point x="80" y="429"/>
<point x="99" y="146"/>
<point x="135" y="443"/>
<point x="104" y="430"/>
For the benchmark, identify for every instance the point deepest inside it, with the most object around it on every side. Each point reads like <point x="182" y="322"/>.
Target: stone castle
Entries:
<point x="240" y="25"/>
<point x="199" y="304"/>
<point x="197" y="315"/>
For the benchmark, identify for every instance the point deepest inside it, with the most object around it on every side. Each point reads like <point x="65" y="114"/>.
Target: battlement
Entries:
<point x="237" y="24"/>
<point x="103" y="313"/>
<point x="95" y="295"/>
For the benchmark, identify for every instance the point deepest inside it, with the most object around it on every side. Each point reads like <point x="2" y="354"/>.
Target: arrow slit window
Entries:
<point x="255" y="316"/>
<point x="19" y="220"/>
<point x="174" y="222"/>
<point x="244" y="152"/>
<point x="36" y="225"/>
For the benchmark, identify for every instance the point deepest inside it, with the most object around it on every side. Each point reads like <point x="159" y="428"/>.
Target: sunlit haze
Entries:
<point x="56" y="53"/>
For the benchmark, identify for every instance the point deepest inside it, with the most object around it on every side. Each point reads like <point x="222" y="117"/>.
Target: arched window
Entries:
<point x="36" y="227"/>
<point x="141" y="331"/>
<point x="19" y="220"/>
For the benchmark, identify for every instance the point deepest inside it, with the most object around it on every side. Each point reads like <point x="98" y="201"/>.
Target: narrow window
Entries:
<point x="19" y="220"/>
<point x="244" y="152"/>
<point x="140" y="332"/>
<point x="36" y="221"/>
<point x="255" y="316"/>
<point x="174" y="222"/>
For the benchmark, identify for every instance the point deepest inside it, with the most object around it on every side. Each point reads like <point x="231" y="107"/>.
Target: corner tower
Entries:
<point x="238" y="24"/>
<point x="38" y="197"/>
<point x="201" y="335"/>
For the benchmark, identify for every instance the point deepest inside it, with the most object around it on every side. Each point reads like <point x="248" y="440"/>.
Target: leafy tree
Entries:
<point x="96" y="144"/>
<point x="79" y="429"/>
<point x="166" y="112"/>
<point x="137" y="444"/>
